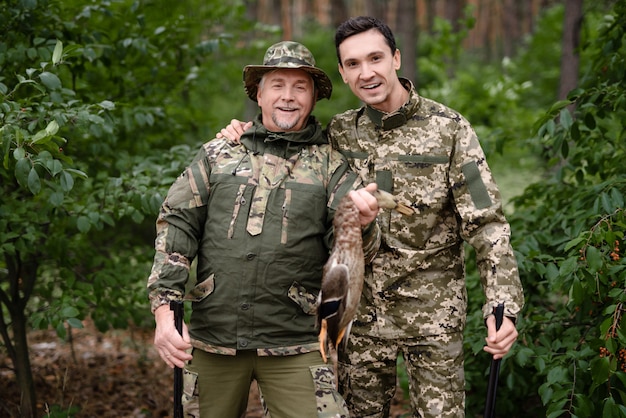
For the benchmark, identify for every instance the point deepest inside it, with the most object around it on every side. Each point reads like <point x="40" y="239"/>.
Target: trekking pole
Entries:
<point x="494" y="371"/>
<point x="178" y="308"/>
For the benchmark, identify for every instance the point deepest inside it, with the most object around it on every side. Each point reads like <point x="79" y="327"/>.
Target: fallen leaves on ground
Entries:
<point x="115" y="374"/>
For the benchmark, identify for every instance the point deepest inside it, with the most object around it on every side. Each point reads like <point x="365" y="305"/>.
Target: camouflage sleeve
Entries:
<point x="484" y="226"/>
<point x="179" y="228"/>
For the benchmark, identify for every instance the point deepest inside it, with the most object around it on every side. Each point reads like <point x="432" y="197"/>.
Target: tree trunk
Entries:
<point x="285" y="17"/>
<point x="570" y="59"/>
<point x="21" y="278"/>
<point x="339" y="12"/>
<point x="23" y="371"/>
<point x="512" y="20"/>
<point x="407" y="38"/>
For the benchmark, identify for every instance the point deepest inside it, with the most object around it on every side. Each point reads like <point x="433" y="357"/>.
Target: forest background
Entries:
<point x="103" y="103"/>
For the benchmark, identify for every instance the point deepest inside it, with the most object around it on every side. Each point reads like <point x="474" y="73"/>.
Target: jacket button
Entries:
<point x="250" y="256"/>
<point x="245" y="306"/>
<point x="243" y="342"/>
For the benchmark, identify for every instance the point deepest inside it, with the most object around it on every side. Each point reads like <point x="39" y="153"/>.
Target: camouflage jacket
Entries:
<point x="258" y="219"/>
<point x="428" y="155"/>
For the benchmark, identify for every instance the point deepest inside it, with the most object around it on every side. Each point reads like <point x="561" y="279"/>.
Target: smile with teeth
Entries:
<point x="371" y="86"/>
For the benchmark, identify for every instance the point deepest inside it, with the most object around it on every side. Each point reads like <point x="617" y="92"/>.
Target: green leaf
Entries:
<point x="137" y="216"/>
<point x="606" y="203"/>
<point x="52" y="128"/>
<point x="19" y="153"/>
<point x="594" y="259"/>
<point x="107" y="105"/>
<point x="559" y="105"/>
<point x="617" y="198"/>
<point x="56" y="199"/>
<point x="22" y="171"/>
<point x="50" y="80"/>
<point x="75" y="322"/>
<point x="545" y="392"/>
<point x="590" y="121"/>
<point x="40" y="137"/>
<point x="54" y="166"/>
<point x="576" y="292"/>
<point x="574" y="243"/>
<point x="557" y="374"/>
<point x="58" y="52"/>
<point x="600" y="370"/>
<point x="83" y="224"/>
<point x="523" y="355"/>
<point x="60" y="329"/>
<point x="76" y="172"/>
<point x="69" y="311"/>
<point x="609" y="410"/>
<point x="34" y="184"/>
<point x="565" y="118"/>
<point x="552" y="271"/>
<point x="568" y="266"/>
<point x="67" y="181"/>
<point x="575" y="132"/>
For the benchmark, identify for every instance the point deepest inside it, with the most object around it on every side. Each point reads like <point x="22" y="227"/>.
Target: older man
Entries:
<point x="257" y="217"/>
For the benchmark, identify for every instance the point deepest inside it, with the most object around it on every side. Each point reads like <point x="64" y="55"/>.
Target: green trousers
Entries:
<point x="291" y="386"/>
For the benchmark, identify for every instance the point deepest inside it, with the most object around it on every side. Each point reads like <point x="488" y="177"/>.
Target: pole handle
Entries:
<point x="178" y="308"/>
<point x="490" y="405"/>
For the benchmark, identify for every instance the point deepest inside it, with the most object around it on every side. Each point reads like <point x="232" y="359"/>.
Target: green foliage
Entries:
<point x="95" y="111"/>
<point x="568" y="231"/>
<point x="441" y="49"/>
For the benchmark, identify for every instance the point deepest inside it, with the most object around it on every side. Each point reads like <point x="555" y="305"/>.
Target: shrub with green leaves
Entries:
<point x="568" y="230"/>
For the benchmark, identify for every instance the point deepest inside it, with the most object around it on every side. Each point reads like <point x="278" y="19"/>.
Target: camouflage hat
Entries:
<point x="287" y="54"/>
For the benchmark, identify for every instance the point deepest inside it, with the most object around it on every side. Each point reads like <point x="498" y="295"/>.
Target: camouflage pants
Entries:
<point x="292" y="386"/>
<point x="367" y="375"/>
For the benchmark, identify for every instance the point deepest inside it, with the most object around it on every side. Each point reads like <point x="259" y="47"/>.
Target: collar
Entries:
<point x="388" y="121"/>
<point x="259" y="140"/>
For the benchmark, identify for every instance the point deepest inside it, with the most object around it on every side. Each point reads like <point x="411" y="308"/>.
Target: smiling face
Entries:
<point x="369" y="68"/>
<point x="286" y="98"/>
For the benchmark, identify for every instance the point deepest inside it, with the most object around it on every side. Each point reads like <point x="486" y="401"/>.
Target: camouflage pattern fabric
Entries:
<point x="190" y="401"/>
<point x="416" y="285"/>
<point x="367" y="375"/>
<point x="330" y="404"/>
<point x="287" y="54"/>
<point x="257" y="215"/>
<point x="429" y="155"/>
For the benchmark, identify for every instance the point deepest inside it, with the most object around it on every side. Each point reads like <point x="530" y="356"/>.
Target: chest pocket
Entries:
<point x="304" y="211"/>
<point x="227" y="200"/>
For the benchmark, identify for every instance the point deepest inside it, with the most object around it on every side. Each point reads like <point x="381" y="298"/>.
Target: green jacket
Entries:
<point x="257" y="217"/>
<point x="428" y="155"/>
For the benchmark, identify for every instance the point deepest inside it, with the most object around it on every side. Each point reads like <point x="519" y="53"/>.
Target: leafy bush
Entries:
<point x="568" y="231"/>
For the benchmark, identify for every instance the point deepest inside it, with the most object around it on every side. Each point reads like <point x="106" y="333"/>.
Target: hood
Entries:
<point x="259" y="140"/>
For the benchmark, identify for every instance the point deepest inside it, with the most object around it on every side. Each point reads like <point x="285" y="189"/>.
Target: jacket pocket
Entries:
<point x="190" y="399"/>
<point x="202" y="289"/>
<point x="303" y="298"/>
<point x="329" y="401"/>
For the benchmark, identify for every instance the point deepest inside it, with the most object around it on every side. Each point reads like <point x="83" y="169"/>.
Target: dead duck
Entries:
<point x="342" y="280"/>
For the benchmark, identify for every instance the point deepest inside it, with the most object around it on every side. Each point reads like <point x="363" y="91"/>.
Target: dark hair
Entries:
<point x="356" y="25"/>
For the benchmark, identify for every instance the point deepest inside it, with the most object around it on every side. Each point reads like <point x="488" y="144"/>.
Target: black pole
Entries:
<point x="178" y="308"/>
<point x="490" y="406"/>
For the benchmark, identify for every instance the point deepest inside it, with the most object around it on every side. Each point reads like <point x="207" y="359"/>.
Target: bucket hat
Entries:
<point x="282" y="55"/>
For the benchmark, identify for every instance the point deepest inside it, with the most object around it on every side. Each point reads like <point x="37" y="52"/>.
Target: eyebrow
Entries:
<point x="303" y="80"/>
<point x="369" y="55"/>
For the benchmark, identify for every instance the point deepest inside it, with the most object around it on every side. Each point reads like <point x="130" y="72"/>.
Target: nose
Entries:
<point x="288" y="94"/>
<point x="367" y="72"/>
